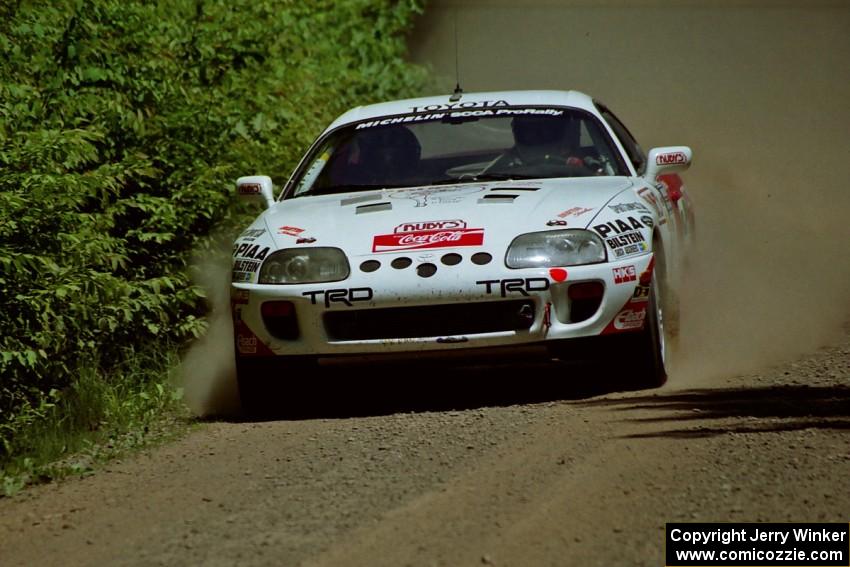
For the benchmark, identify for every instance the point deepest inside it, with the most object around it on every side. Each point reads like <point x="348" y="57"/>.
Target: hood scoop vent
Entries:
<point x="374" y="207"/>
<point x="360" y="199"/>
<point x="496" y="198"/>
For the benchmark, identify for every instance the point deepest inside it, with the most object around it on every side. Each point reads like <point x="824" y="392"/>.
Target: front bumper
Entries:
<point x="457" y="308"/>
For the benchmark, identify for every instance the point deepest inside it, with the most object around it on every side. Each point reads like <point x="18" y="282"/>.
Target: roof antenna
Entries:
<point x="458" y="92"/>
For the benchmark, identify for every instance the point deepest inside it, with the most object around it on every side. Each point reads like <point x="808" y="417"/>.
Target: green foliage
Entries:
<point x="122" y="127"/>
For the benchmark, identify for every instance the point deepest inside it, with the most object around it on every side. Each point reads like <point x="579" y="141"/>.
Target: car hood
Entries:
<point x="481" y="215"/>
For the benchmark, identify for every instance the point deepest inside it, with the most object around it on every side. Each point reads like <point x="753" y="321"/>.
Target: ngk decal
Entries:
<point x="624" y="274"/>
<point x="428" y="234"/>
<point x="673" y="158"/>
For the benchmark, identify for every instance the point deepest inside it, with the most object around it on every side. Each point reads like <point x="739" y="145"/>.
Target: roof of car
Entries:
<point x="467" y="101"/>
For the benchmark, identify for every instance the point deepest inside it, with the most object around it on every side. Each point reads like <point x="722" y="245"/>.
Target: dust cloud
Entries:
<point x="208" y="371"/>
<point x="758" y="89"/>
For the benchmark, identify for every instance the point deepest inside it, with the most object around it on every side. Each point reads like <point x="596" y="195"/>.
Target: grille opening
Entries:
<point x="426" y="270"/>
<point x="401" y="263"/>
<point x="370" y="266"/>
<point x="280" y="320"/>
<point x="430" y="320"/>
<point x="451" y="259"/>
<point x="585" y="299"/>
<point x="481" y="258"/>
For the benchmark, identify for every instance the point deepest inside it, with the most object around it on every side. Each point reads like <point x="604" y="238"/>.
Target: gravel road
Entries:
<point x="506" y="470"/>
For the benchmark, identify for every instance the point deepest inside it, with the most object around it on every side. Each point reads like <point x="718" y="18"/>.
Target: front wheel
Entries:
<point x="649" y="346"/>
<point x="269" y="386"/>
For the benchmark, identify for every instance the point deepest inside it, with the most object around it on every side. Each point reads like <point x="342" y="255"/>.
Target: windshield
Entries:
<point x="459" y="146"/>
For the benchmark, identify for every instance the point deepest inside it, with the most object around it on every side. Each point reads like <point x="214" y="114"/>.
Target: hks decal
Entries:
<point x="624" y="274"/>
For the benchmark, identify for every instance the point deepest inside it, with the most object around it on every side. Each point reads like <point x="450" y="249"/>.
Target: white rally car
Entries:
<point x="466" y="223"/>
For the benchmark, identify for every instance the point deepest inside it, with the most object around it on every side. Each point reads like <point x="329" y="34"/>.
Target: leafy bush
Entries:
<point x="122" y="126"/>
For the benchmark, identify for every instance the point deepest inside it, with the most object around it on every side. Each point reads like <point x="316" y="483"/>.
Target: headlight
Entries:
<point x="555" y="248"/>
<point x="304" y="265"/>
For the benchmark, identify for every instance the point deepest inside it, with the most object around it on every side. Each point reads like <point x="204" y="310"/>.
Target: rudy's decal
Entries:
<point x="430" y="225"/>
<point x="624" y="274"/>
<point x="427" y="235"/>
<point x="249" y="189"/>
<point x="248" y="250"/>
<point x="519" y="285"/>
<point x="618" y="226"/>
<point x="346" y="296"/>
<point x="672" y="158"/>
<point x="290" y="230"/>
<point x="626" y="207"/>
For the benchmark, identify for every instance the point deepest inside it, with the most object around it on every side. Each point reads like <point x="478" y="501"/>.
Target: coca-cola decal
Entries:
<point x="428" y="234"/>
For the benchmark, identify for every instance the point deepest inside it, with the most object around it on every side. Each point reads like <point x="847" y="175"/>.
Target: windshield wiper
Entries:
<point x="503" y="176"/>
<point x="332" y="189"/>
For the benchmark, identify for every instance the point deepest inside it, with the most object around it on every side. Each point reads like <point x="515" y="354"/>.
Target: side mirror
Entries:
<point x="667" y="160"/>
<point x="256" y="187"/>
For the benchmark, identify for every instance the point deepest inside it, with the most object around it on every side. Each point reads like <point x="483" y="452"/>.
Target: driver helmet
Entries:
<point x="537" y="137"/>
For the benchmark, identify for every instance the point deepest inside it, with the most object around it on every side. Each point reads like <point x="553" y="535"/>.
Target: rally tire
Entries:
<point x="649" y="346"/>
<point x="270" y="386"/>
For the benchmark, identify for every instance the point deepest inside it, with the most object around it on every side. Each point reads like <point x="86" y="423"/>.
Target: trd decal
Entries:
<point x="518" y="285"/>
<point x="346" y="296"/>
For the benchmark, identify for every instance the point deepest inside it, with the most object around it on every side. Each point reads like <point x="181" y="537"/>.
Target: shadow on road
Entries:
<point x="426" y="386"/>
<point x="739" y="410"/>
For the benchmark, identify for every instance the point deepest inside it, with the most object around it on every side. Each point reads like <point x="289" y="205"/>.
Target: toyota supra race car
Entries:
<point x="462" y="225"/>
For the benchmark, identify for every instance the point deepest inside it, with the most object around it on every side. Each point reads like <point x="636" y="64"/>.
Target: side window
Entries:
<point x="633" y="149"/>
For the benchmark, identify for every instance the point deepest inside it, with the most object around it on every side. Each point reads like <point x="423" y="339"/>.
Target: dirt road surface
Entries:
<point x="534" y="465"/>
<point x="501" y="472"/>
